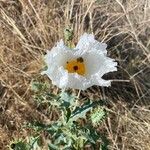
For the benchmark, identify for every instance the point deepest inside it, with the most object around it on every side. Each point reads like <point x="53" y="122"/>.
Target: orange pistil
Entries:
<point x="76" y="66"/>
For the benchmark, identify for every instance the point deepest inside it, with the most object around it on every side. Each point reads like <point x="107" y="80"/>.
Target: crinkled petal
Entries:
<point x="96" y="62"/>
<point x="55" y="52"/>
<point x="63" y="79"/>
<point x="88" y="43"/>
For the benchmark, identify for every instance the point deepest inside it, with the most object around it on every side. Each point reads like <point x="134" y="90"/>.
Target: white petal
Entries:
<point x="95" y="59"/>
<point x="102" y="82"/>
<point x="58" y="55"/>
<point x="97" y="65"/>
<point x="88" y="43"/>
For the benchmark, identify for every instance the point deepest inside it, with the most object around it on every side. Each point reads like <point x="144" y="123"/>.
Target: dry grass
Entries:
<point x="29" y="27"/>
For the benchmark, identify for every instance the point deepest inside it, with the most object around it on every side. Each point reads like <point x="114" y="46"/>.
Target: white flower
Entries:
<point x="81" y="67"/>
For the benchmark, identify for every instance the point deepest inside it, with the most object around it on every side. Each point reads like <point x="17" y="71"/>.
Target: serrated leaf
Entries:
<point x="38" y="86"/>
<point x="90" y="133"/>
<point x="19" y="145"/>
<point x="66" y="99"/>
<point x="97" y="115"/>
<point x="52" y="128"/>
<point x="80" y="112"/>
<point x="105" y="143"/>
<point x="53" y="147"/>
<point x="68" y="33"/>
<point x="68" y="114"/>
<point x="33" y="142"/>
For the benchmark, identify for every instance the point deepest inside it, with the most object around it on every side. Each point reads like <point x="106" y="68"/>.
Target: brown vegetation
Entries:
<point x="29" y="27"/>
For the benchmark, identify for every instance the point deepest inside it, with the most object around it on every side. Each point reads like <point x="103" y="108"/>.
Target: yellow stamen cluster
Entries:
<point x="76" y="66"/>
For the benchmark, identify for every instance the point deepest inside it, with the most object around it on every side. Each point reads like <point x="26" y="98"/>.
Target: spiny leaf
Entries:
<point x="105" y="143"/>
<point x="38" y="86"/>
<point x="19" y="145"/>
<point x="67" y="99"/>
<point x="68" y="33"/>
<point x="90" y="134"/>
<point x="52" y="147"/>
<point x="80" y="112"/>
<point x="34" y="143"/>
<point x="97" y="115"/>
<point x="68" y="114"/>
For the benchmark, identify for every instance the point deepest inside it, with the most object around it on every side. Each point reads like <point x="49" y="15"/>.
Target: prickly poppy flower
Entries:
<point x="81" y="67"/>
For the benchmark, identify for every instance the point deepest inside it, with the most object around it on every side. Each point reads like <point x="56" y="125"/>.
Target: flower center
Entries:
<point x="76" y="66"/>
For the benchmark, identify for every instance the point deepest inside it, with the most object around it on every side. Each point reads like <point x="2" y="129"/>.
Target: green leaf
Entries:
<point x="38" y="86"/>
<point x="52" y="99"/>
<point x="53" y="147"/>
<point x="68" y="114"/>
<point x="91" y="135"/>
<point x="105" y="143"/>
<point x="98" y="115"/>
<point x="52" y="128"/>
<point x="67" y="99"/>
<point x="80" y="112"/>
<point x="68" y="33"/>
<point x="34" y="143"/>
<point x="19" y="145"/>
